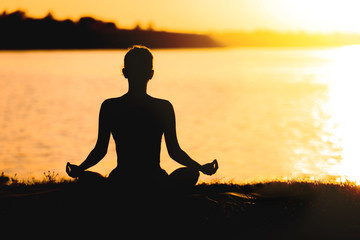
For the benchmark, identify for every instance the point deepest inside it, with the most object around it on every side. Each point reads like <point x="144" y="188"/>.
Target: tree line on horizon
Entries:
<point x="19" y="31"/>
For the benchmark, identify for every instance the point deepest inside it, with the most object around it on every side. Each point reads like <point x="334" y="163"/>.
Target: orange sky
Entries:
<point x="205" y="15"/>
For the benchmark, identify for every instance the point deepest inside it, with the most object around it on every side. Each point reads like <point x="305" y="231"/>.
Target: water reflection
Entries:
<point x="344" y="97"/>
<point x="338" y="118"/>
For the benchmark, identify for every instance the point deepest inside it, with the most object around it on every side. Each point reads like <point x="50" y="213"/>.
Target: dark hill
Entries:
<point x="270" y="210"/>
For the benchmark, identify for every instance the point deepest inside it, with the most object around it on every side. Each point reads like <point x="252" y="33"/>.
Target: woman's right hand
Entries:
<point x="73" y="170"/>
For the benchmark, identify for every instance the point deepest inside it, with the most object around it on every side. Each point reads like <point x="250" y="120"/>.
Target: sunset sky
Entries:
<point x="205" y="15"/>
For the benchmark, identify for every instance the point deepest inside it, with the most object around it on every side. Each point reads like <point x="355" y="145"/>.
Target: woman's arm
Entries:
<point x="100" y="148"/>
<point x="172" y="144"/>
<point x="174" y="149"/>
<point x="102" y="143"/>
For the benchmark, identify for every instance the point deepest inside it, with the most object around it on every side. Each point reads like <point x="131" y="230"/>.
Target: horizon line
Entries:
<point x="152" y="26"/>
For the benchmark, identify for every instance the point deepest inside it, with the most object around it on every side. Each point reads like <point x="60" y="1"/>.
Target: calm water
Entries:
<point x="263" y="113"/>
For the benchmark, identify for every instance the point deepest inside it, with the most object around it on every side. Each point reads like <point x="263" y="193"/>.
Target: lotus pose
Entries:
<point x="137" y="123"/>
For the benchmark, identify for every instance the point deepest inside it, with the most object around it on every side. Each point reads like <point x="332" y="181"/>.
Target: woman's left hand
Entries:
<point x="210" y="168"/>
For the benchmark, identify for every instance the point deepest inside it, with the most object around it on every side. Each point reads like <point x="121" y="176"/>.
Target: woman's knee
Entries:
<point x="184" y="176"/>
<point x="88" y="177"/>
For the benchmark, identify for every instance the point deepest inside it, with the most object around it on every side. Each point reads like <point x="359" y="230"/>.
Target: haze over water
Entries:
<point x="262" y="112"/>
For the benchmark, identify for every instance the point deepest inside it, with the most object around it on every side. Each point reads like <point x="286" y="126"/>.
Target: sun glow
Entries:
<point x="324" y="15"/>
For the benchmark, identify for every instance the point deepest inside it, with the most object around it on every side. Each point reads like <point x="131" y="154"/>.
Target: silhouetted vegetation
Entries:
<point x="21" y="32"/>
<point x="269" y="210"/>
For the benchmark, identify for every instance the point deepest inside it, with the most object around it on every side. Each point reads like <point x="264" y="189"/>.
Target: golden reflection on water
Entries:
<point x="336" y="138"/>
<point x="343" y="106"/>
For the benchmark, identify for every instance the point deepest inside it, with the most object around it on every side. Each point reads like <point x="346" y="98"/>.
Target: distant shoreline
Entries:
<point x="280" y="48"/>
<point x="20" y="32"/>
<point x="264" y="38"/>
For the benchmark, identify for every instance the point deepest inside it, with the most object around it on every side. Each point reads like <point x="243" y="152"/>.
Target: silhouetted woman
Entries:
<point x="137" y="123"/>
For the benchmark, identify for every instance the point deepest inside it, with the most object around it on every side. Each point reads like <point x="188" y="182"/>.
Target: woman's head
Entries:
<point x="138" y="63"/>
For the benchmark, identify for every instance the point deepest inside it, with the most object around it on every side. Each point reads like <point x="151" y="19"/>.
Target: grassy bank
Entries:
<point x="269" y="210"/>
